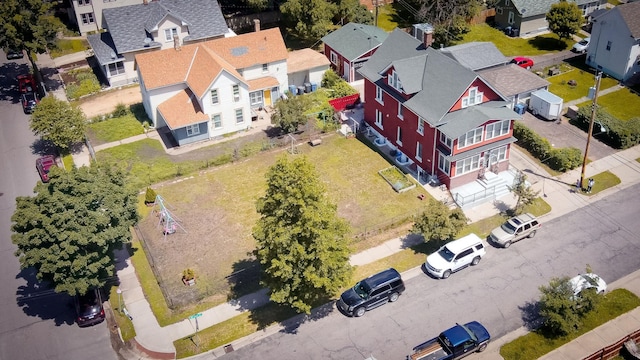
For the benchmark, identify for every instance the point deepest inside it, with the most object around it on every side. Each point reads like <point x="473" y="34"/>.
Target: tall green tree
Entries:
<point x="59" y="122"/>
<point x="289" y="113"/>
<point x="353" y="11"/>
<point x="564" y="18"/>
<point x="301" y="242"/>
<point x="524" y="194"/>
<point x="438" y="222"/>
<point x="28" y="25"/>
<point x="69" y="230"/>
<point x="309" y="19"/>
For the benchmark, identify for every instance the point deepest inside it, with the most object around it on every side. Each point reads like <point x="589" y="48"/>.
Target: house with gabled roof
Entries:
<point x="208" y="89"/>
<point x="523" y="17"/>
<point x="443" y="121"/>
<point x="476" y="55"/>
<point x="152" y="26"/>
<point x="615" y="43"/>
<point x="350" y="46"/>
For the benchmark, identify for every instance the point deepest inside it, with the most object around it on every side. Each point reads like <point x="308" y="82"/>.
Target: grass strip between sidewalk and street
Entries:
<point x="603" y="181"/>
<point x="534" y="344"/>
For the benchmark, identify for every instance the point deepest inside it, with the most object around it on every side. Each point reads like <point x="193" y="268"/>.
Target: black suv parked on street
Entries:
<point x="374" y="291"/>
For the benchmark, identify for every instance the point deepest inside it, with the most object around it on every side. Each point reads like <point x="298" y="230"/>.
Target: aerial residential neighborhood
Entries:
<point x="280" y="180"/>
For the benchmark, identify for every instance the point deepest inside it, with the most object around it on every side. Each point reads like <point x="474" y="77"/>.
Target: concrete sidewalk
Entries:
<point x="557" y="191"/>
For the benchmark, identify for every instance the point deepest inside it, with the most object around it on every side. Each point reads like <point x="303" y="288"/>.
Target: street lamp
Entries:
<point x="119" y="291"/>
<point x="590" y="132"/>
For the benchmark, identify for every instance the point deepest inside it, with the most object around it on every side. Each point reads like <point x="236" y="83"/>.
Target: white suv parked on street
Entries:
<point x="455" y="256"/>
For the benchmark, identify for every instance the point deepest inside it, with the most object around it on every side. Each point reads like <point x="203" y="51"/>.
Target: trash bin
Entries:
<point x="300" y="90"/>
<point x="314" y="86"/>
<point x="307" y="87"/>
<point x="293" y="90"/>
<point x="519" y="108"/>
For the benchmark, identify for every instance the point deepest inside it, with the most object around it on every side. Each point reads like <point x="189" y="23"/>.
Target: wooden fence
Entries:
<point x="613" y="350"/>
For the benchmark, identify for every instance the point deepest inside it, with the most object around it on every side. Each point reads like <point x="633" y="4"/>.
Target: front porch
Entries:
<point x="488" y="188"/>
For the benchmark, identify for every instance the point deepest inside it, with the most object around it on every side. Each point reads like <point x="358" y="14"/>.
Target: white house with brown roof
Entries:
<point x="208" y="89"/>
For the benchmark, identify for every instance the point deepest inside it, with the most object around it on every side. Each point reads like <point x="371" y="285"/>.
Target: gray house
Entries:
<point x="526" y="17"/>
<point x="152" y="26"/>
<point x="615" y="43"/>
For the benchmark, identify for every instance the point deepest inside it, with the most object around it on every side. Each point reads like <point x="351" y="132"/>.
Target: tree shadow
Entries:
<point x="37" y="299"/>
<point x="139" y="113"/>
<point x="43" y="147"/>
<point x="8" y="81"/>
<point x="245" y="278"/>
<point x="548" y="44"/>
<point x="531" y="315"/>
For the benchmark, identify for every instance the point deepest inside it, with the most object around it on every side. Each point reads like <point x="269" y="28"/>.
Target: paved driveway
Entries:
<point x="563" y="134"/>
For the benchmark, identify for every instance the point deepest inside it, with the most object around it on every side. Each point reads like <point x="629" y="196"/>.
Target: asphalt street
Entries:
<point x="35" y="323"/>
<point x="501" y="292"/>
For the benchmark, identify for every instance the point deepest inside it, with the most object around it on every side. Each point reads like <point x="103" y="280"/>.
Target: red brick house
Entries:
<point x="349" y="47"/>
<point x="444" y="121"/>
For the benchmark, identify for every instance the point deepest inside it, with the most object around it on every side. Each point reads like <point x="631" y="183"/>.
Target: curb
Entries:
<point x="151" y="353"/>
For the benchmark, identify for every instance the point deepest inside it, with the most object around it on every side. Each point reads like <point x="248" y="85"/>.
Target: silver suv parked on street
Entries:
<point x="515" y="229"/>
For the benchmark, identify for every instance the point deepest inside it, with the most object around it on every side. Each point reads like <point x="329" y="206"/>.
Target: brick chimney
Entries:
<point x="256" y="24"/>
<point x="427" y="38"/>
<point x="424" y="33"/>
<point x="176" y="42"/>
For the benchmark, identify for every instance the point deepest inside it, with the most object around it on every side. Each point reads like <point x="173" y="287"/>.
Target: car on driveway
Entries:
<point x="89" y="308"/>
<point x="523" y="62"/>
<point x="515" y="229"/>
<point x="582" y="46"/>
<point x="14" y="54"/>
<point x="586" y="281"/>
<point x="43" y="165"/>
<point x="29" y="101"/>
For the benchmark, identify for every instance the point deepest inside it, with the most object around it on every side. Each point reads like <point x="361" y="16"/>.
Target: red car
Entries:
<point x="43" y="165"/>
<point x="522" y="62"/>
<point x="26" y="83"/>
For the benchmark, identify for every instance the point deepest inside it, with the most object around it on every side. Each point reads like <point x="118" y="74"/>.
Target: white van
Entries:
<point x="455" y="256"/>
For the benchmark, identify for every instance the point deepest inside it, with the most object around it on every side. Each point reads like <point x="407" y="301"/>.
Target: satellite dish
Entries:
<point x="113" y="54"/>
<point x="147" y="41"/>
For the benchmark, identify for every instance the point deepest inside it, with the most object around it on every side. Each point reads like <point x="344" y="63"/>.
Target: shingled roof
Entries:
<point x="476" y="55"/>
<point x="354" y="40"/>
<point x="528" y="8"/>
<point x="129" y="26"/>
<point x="630" y="13"/>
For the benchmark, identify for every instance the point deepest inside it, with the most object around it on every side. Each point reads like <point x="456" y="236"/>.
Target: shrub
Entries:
<point x="559" y="159"/>
<point x="150" y="196"/>
<point x="564" y="159"/>
<point x="619" y="134"/>
<point x="121" y="110"/>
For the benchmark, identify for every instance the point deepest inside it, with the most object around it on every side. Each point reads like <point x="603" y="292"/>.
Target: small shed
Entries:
<point x="545" y="104"/>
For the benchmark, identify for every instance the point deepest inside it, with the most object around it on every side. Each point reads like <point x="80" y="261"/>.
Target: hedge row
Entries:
<point x="619" y="134"/>
<point x="559" y="159"/>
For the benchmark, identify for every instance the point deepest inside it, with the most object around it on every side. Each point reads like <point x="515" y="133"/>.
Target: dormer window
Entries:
<point x="474" y="97"/>
<point x="170" y="33"/>
<point x="394" y="80"/>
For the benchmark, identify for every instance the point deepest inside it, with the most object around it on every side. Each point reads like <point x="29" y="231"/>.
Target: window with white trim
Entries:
<point x="84" y="2"/>
<point x="379" y="95"/>
<point x="400" y="111"/>
<point x="502" y="153"/>
<point x="419" y="151"/>
<point x="468" y="165"/>
<point x="445" y="140"/>
<point x="420" y="126"/>
<point x="497" y="128"/>
<point x="399" y="136"/>
<point x="499" y="11"/>
<point x="379" y="118"/>
<point x="236" y="92"/>
<point x="333" y="57"/>
<point x="216" y="121"/>
<point x="255" y="97"/>
<point x="471" y="137"/>
<point x="507" y="3"/>
<point x="444" y="164"/>
<point x="215" y="100"/>
<point x="265" y="68"/>
<point x="474" y="97"/>
<point x="511" y="19"/>
<point x="170" y="33"/>
<point x="116" y="68"/>
<point x="87" y="18"/>
<point x="239" y="116"/>
<point x="193" y="129"/>
<point x="394" y="80"/>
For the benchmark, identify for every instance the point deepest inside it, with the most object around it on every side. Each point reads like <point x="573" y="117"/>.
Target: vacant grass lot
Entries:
<point x="535" y="344"/>
<point x="217" y="210"/>
<point x="539" y="45"/>
<point x="68" y="46"/>
<point x="114" y="129"/>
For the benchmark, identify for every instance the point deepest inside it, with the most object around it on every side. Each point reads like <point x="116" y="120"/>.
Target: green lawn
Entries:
<point x="622" y="104"/>
<point x="68" y="46"/>
<point x="584" y="80"/>
<point x="534" y="344"/>
<point x="114" y="129"/>
<point x="124" y="323"/>
<point x="603" y="181"/>
<point x="539" y="45"/>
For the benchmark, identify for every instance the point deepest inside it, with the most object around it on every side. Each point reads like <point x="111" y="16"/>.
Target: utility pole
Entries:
<point x="590" y="132"/>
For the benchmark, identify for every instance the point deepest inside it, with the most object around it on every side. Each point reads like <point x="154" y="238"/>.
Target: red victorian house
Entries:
<point x="444" y="121"/>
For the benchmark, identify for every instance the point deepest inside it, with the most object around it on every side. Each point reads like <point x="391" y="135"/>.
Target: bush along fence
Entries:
<point x="559" y="159"/>
<point x="619" y="134"/>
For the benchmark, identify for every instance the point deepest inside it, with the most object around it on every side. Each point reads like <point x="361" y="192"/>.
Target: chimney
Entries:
<point x="427" y="38"/>
<point x="256" y="24"/>
<point x="176" y="42"/>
